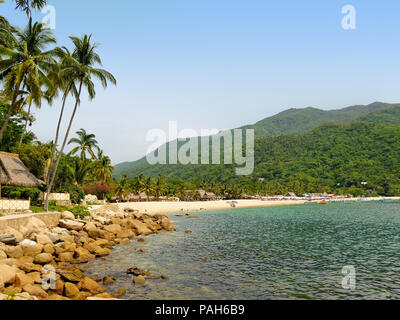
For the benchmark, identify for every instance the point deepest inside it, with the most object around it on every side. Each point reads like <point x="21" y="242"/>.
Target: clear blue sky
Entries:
<point x="223" y="64"/>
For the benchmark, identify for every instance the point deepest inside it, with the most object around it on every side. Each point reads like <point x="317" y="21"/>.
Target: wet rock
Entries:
<point x="83" y="255"/>
<point x="138" y="272"/>
<point x="142" y="250"/>
<point x="87" y="284"/>
<point x="108" y="280"/>
<point x="139" y="280"/>
<point x="139" y="227"/>
<point x="167" y="224"/>
<point x="120" y="293"/>
<point x="188" y="231"/>
<point x="71" y="290"/>
<point x="102" y="252"/>
<point x="70" y="275"/>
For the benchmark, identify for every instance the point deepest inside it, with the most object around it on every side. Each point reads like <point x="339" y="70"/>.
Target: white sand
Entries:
<point x="179" y="207"/>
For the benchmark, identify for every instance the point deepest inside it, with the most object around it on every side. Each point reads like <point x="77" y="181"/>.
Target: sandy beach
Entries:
<point x="196" y="206"/>
<point x="177" y="207"/>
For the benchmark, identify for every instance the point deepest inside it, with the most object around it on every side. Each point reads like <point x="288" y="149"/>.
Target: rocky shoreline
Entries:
<point x="40" y="263"/>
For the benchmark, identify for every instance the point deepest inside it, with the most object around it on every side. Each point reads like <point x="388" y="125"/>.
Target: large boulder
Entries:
<point x="125" y="234"/>
<point x="34" y="225"/>
<point x="49" y="248"/>
<point x="3" y="255"/>
<point x="66" y="257"/>
<point x="113" y="228"/>
<point x="43" y="239"/>
<point x="11" y="231"/>
<point x="71" y="290"/>
<point x="43" y="258"/>
<point x="14" y="252"/>
<point x="9" y="239"/>
<point x="139" y="227"/>
<point x="31" y="248"/>
<point x="67" y="215"/>
<point x="139" y="280"/>
<point x="87" y="284"/>
<point x="7" y="274"/>
<point x="21" y="280"/>
<point x="102" y="252"/>
<point x="167" y="224"/>
<point x="35" y="290"/>
<point x="83" y="255"/>
<point x="71" y="225"/>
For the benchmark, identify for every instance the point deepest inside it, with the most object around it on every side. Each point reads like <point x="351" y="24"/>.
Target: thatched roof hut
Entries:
<point x="14" y="173"/>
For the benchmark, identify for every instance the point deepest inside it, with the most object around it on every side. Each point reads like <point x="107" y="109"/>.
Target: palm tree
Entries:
<point x="159" y="186"/>
<point x="65" y="82"/>
<point x="85" y="143"/>
<point x="27" y="6"/>
<point x="139" y="182"/>
<point x="148" y="187"/>
<point x="103" y="168"/>
<point x="48" y="95"/>
<point x="80" y="67"/>
<point x="122" y="188"/>
<point x="79" y="171"/>
<point x="25" y="64"/>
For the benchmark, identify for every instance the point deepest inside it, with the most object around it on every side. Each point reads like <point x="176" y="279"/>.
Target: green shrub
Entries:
<point x="80" y="211"/>
<point x="52" y="208"/>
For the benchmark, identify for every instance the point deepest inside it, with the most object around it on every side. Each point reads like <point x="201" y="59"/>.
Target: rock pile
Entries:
<point x="40" y="263"/>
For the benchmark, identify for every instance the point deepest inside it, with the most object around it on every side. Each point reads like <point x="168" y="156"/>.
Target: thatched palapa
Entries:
<point x="14" y="173"/>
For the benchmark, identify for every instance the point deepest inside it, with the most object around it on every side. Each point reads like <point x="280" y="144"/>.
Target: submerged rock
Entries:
<point x="139" y="280"/>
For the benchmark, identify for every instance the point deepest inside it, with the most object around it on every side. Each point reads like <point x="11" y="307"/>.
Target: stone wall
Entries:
<point x="16" y="221"/>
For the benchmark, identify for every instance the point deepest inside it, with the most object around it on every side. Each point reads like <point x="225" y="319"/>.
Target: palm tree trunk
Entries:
<point x="53" y="152"/>
<point x="10" y="111"/>
<point x="26" y="124"/>
<point x="54" y="173"/>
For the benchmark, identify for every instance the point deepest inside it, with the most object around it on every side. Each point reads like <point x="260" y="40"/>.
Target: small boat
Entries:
<point x="323" y="202"/>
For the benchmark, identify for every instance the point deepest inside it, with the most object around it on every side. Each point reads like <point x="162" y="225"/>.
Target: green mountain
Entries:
<point x="298" y="121"/>
<point x="331" y="151"/>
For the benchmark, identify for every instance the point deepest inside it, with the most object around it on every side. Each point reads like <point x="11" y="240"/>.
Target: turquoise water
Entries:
<point x="295" y="252"/>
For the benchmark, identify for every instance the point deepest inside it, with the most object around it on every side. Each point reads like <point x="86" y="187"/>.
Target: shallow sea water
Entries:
<point x="295" y="252"/>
